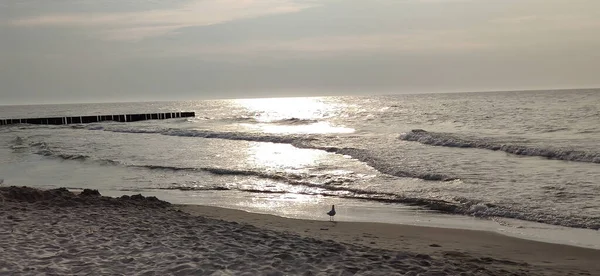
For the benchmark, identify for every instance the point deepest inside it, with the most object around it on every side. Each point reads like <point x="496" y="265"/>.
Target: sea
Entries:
<point x="516" y="160"/>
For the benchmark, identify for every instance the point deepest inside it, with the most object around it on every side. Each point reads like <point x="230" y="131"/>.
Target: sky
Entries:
<point x="64" y="51"/>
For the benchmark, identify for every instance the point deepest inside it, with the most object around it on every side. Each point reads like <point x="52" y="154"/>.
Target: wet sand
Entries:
<point x="56" y="232"/>
<point x="425" y="240"/>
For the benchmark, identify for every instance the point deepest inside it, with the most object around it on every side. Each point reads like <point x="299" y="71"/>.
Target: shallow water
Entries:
<point x="532" y="156"/>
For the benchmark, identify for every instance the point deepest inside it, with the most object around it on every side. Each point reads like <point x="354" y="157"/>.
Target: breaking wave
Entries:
<point x="345" y="187"/>
<point x="451" y="140"/>
<point x="299" y="141"/>
<point x="294" y="121"/>
<point x="255" y="119"/>
<point x="77" y="157"/>
<point x="254" y="137"/>
<point x="380" y="165"/>
<point x="458" y="206"/>
<point x="289" y="178"/>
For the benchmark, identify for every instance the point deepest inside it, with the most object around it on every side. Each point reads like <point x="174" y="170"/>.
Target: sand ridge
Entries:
<point x="56" y="232"/>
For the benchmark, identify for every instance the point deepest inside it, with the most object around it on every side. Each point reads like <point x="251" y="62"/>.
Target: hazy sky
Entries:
<point x="123" y="50"/>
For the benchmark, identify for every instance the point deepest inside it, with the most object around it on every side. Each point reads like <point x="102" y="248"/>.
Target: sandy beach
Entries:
<point x="57" y="232"/>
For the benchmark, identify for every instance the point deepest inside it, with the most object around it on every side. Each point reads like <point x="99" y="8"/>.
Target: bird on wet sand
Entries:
<point x="331" y="213"/>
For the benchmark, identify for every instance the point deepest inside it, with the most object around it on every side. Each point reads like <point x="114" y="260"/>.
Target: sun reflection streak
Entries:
<point x="316" y="128"/>
<point x="293" y="175"/>
<point x="283" y="157"/>
<point x="275" y="109"/>
<point x="293" y="115"/>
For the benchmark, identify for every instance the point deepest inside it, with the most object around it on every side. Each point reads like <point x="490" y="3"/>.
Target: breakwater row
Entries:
<point x="97" y="118"/>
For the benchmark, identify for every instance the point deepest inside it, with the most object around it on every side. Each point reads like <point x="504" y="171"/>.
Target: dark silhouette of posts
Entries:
<point x="98" y="118"/>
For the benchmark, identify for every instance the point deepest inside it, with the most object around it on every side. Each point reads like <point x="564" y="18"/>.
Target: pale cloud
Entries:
<point x="416" y="42"/>
<point x="445" y="1"/>
<point x="142" y="24"/>
<point x="448" y="40"/>
<point x="515" y="19"/>
<point x="138" y="49"/>
<point x="137" y="33"/>
<point x="549" y="22"/>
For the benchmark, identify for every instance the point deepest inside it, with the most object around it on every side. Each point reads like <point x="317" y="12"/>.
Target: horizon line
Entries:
<point x="312" y="96"/>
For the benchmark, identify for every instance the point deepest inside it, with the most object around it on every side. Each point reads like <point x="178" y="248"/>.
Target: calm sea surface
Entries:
<point x="532" y="156"/>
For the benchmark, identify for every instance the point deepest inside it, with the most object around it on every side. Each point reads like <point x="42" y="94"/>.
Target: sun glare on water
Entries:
<point x="283" y="157"/>
<point x="276" y="109"/>
<point x="289" y="116"/>
<point x="293" y="115"/>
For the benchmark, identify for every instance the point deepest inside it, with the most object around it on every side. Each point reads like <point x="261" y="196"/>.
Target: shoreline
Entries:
<point x="421" y="239"/>
<point x="313" y="209"/>
<point x="60" y="232"/>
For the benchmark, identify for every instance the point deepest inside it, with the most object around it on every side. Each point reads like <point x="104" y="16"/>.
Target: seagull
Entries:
<point x="331" y="213"/>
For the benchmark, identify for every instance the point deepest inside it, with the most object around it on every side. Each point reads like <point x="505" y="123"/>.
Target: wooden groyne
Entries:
<point x="97" y="118"/>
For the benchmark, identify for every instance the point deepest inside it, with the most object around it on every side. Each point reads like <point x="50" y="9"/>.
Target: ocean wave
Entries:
<point x="451" y="140"/>
<point x="492" y="210"/>
<point x="253" y="137"/>
<point x="459" y="207"/>
<point x="42" y="148"/>
<point x="299" y="141"/>
<point x="551" y="130"/>
<point x="342" y="192"/>
<point x="381" y="165"/>
<point x="345" y="187"/>
<point x="217" y="171"/>
<point x="18" y="144"/>
<point x="240" y="119"/>
<point x="294" y="121"/>
<point x="77" y="157"/>
<point x="236" y="136"/>
<point x="18" y="141"/>
<point x="255" y="119"/>
<point x="588" y="131"/>
<point x="192" y="188"/>
<point x="288" y="178"/>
